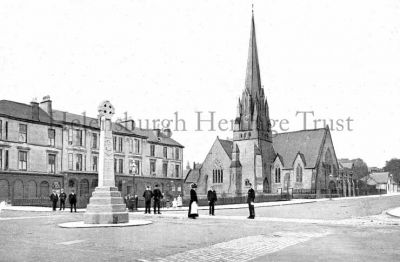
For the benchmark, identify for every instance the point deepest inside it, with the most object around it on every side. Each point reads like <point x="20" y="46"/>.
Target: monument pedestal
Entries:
<point x="106" y="206"/>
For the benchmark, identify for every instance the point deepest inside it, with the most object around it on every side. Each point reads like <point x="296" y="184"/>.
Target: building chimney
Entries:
<point x="129" y="124"/>
<point x="46" y="106"/>
<point x="167" y="132"/>
<point x="156" y="132"/>
<point x="35" y="110"/>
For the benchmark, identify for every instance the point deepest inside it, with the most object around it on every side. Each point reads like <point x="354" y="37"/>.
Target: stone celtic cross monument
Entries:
<point x="106" y="204"/>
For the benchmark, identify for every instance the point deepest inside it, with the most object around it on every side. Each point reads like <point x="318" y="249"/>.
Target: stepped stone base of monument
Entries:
<point x="106" y="206"/>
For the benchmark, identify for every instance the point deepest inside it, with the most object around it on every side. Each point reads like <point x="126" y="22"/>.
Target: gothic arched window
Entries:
<point x="328" y="162"/>
<point x="277" y="174"/>
<point x="218" y="176"/>
<point x="299" y="173"/>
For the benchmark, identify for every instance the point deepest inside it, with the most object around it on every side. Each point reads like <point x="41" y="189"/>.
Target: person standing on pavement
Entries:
<point x="72" y="200"/>
<point x="251" y="195"/>
<point x="147" y="200"/>
<point x="157" y="199"/>
<point x="54" y="199"/>
<point x="193" y="204"/>
<point x="212" y="198"/>
<point x="179" y="201"/>
<point x="63" y="197"/>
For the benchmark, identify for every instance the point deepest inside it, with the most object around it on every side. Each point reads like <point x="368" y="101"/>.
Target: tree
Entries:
<point x="393" y="166"/>
<point x="360" y="168"/>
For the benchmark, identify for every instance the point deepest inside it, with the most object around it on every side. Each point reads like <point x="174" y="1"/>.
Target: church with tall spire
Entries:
<point x="299" y="160"/>
<point x="252" y="137"/>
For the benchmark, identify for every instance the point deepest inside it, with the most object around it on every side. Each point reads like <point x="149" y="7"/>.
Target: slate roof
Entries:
<point x="161" y="139"/>
<point x="193" y="176"/>
<point x="380" y="177"/>
<point x="66" y="117"/>
<point x="346" y="164"/>
<point x="116" y="128"/>
<point x="227" y="145"/>
<point x="307" y="142"/>
<point x="23" y="112"/>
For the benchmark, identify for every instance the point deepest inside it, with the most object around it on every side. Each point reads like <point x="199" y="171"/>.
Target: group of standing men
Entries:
<point x="156" y="195"/>
<point x="54" y="197"/>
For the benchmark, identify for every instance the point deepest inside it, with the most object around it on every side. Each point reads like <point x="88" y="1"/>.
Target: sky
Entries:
<point x="171" y="60"/>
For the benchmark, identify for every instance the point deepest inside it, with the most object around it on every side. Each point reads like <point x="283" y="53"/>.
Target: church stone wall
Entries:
<point x="216" y="159"/>
<point x="247" y="159"/>
<point x="323" y="177"/>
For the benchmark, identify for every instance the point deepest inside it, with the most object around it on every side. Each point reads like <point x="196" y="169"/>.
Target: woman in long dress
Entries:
<point x="193" y="199"/>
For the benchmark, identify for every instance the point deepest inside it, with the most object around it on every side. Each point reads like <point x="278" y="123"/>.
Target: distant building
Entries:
<point x="374" y="169"/>
<point x="346" y="183"/>
<point x="381" y="181"/>
<point x="193" y="176"/>
<point x="300" y="160"/>
<point x="43" y="149"/>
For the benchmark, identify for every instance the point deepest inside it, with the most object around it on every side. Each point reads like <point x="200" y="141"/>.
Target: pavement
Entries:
<point x="395" y="212"/>
<point x="217" y="207"/>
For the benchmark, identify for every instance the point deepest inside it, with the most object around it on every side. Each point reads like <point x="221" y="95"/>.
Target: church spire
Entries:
<point x="253" y="80"/>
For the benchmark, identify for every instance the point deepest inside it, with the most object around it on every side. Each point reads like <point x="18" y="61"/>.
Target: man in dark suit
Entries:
<point x="251" y="195"/>
<point x="157" y="199"/>
<point x="62" y="197"/>
<point x="72" y="200"/>
<point x="54" y="199"/>
<point x="212" y="198"/>
<point x="147" y="200"/>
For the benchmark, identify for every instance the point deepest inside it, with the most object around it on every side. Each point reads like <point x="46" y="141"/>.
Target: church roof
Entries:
<point x="307" y="142"/>
<point x="227" y="145"/>
<point x="288" y="145"/>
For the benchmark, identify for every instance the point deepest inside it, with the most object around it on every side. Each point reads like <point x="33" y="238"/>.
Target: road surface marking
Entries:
<point x="243" y="249"/>
<point x="71" y="242"/>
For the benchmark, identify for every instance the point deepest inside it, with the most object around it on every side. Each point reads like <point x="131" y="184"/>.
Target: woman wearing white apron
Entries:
<point x="193" y="204"/>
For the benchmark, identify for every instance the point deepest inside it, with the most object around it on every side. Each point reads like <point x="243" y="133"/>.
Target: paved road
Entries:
<point x="334" y="209"/>
<point x="26" y="236"/>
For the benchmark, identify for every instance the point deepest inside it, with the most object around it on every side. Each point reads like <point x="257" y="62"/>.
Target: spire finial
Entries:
<point x="252" y="8"/>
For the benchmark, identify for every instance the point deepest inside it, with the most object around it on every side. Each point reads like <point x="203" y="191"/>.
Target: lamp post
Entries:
<point x="330" y="189"/>
<point x="134" y="170"/>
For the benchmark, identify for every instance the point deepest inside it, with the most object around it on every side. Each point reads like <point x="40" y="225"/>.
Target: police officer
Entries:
<point x="147" y="199"/>
<point x="54" y="199"/>
<point x="157" y="199"/>
<point x="62" y="197"/>
<point x="212" y="198"/>
<point x="72" y="200"/>
<point x="251" y="195"/>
